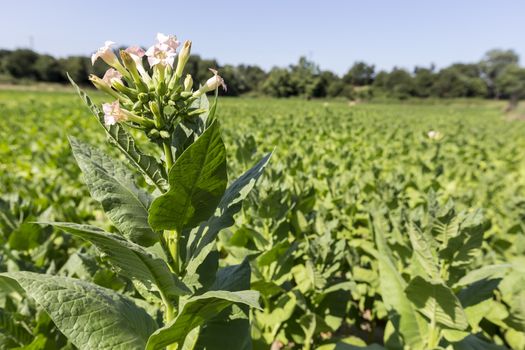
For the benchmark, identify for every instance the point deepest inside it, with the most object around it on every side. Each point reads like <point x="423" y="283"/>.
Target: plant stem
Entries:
<point x="172" y="240"/>
<point x="433" y="334"/>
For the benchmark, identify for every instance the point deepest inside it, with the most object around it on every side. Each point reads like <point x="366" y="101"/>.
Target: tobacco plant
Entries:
<point x="166" y="213"/>
<point x="434" y="295"/>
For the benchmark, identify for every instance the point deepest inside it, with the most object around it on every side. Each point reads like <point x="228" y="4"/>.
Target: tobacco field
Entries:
<point x="395" y="225"/>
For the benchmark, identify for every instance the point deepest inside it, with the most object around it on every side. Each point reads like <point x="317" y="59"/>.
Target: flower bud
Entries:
<point x="119" y="86"/>
<point x="154" y="107"/>
<point x="131" y="66"/>
<point x="143" y="97"/>
<point x="184" y="55"/>
<point x="188" y="83"/>
<point x="137" y="53"/>
<point x="104" y="86"/>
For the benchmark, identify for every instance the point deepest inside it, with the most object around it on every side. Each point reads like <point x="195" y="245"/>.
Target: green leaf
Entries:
<point x="91" y="317"/>
<point x="423" y="251"/>
<point x="131" y="259"/>
<point x="402" y="314"/>
<point x="231" y="328"/>
<point x="147" y="165"/>
<point x="26" y="236"/>
<point x="14" y="332"/>
<point x="111" y="183"/>
<point x="484" y="272"/>
<point x="202" y="240"/>
<point x="461" y="249"/>
<point x="195" y="312"/>
<point x="478" y="291"/>
<point x="197" y="181"/>
<point x="437" y="302"/>
<point x="473" y="342"/>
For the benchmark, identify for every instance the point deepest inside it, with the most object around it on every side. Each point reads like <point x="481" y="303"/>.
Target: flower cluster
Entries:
<point x="151" y="96"/>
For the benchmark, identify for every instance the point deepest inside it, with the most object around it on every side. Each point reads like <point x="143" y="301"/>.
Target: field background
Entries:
<point x="335" y="162"/>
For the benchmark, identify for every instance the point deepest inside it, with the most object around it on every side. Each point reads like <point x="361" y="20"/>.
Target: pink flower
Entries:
<point x="161" y="54"/>
<point x="111" y="76"/>
<point x="106" y="53"/>
<point x="136" y="52"/>
<point x="169" y="40"/>
<point x="112" y="113"/>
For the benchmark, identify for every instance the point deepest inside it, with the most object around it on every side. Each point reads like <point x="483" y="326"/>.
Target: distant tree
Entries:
<point x="511" y="84"/>
<point x="20" y="63"/>
<point x="493" y="64"/>
<point x="3" y="55"/>
<point x="460" y="80"/>
<point x="47" y="68"/>
<point x="305" y="78"/>
<point x="360" y="74"/>
<point x="424" y="81"/>
<point x="398" y="83"/>
<point x="278" y="83"/>
<point x="78" y="67"/>
<point x="253" y="76"/>
<point x="332" y="85"/>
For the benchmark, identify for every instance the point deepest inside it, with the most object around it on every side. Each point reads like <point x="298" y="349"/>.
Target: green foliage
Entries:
<point x="90" y="316"/>
<point x="307" y="245"/>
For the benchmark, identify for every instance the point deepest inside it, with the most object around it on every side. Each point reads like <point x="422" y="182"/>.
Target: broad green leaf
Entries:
<point x="478" y="292"/>
<point x="91" y="317"/>
<point x="130" y="258"/>
<point x="195" y="312"/>
<point x="190" y="343"/>
<point x="197" y="181"/>
<point x="402" y="314"/>
<point x="485" y="272"/>
<point x="147" y="165"/>
<point x="231" y="328"/>
<point x="422" y="249"/>
<point x="111" y="183"/>
<point x="437" y="302"/>
<point x="462" y="248"/>
<point x="202" y="238"/>
<point x="283" y="309"/>
<point x="473" y="342"/>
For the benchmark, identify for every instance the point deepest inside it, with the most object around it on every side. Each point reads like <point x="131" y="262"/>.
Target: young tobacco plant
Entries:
<point x="434" y="297"/>
<point x="166" y="226"/>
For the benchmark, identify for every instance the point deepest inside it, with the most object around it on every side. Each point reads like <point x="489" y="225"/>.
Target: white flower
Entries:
<point x="434" y="135"/>
<point x="111" y="76"/>
<point x="211" y="84"/>
<point x="161" y="54"/>
<point x="112" y="113"/>
<point x="215" y="81"/>
<point x="164" y="51"/>
<point x="105" y="53"/>
<point x="168" y="40"/>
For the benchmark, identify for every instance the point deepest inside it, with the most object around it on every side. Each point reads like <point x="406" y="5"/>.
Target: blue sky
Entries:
<point x="333" y="33"/>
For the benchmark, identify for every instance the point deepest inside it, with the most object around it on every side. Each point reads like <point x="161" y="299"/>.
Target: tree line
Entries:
<point x="497" y="75"/>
